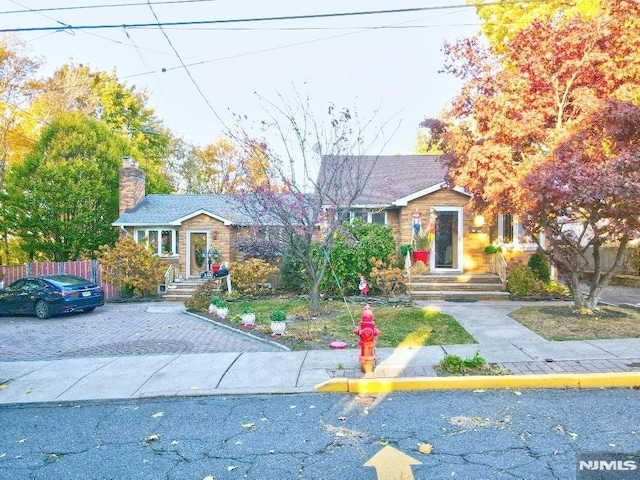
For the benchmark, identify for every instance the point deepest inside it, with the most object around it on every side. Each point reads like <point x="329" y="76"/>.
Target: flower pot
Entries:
<point x="212" y="309"/>
<point x="248" y="320"/>
<point x="421" y="256"/>
<point x="278" y="328"/>
<point x="222" y="312"/>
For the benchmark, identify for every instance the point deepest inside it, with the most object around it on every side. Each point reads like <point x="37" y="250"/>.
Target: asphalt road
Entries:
<point x="533" y="434"/>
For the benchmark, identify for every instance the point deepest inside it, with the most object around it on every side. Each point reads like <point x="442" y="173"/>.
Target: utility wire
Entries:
<point x="265" y="19"/>
<point x="88" y="7"/>
<point x="186" y="69"/>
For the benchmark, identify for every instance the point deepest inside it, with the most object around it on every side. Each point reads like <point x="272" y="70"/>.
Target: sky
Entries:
<point x="198" y="75"/>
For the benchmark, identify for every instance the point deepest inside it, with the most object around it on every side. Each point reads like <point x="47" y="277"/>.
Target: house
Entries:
<point x="402" y="192"/>
<point x="186" y="231"/>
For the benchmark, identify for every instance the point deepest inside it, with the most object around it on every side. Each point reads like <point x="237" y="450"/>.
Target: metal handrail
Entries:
<point x="498" y="266"/>
<point x="169" y="276"/>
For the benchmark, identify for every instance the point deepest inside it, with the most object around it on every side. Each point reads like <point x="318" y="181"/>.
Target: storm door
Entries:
<point x="447" y="241"/>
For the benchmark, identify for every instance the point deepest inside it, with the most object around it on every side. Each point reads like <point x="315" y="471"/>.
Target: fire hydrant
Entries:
<point x="367" y="332"/>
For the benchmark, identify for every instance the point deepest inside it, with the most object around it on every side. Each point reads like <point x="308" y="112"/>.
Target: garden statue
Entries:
<point x="363" y="287"/>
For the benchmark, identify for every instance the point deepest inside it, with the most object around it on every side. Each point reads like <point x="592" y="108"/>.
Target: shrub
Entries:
<point x="251" y="276"/>
<point x="131" y="267"/>
<point x="557" y="290"/>
<point x="201" y="299"/>
<point x="540" y="266"/>
<point x="354" y="245"/>
<point x="521" y="281"/>
<point x="389" y="279"/>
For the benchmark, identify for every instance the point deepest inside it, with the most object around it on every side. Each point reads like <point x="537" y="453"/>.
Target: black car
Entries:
<point x="49" y="295"/>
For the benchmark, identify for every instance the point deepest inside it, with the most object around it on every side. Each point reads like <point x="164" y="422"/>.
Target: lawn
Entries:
<point x="400" y="326"/>
<point x="563" y="322"/>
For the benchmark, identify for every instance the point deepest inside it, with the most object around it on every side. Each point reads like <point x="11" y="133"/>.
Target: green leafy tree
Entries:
<point x="123" y="108"/>
<point x="61" y="201"/>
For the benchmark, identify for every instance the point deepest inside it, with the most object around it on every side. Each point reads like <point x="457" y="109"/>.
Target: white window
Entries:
<point x="162" y="241"/>
<point x="509" y="232"/>
<point x="369" y="217"/>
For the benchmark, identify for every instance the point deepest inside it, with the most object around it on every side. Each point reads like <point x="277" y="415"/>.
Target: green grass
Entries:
<point x="400" y="326"/>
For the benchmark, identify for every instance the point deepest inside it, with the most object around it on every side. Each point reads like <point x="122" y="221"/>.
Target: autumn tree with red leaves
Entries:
<point x="544" y="128"/>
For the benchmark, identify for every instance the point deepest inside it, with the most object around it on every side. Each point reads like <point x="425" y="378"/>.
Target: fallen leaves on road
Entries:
<point x="425" y="448"/>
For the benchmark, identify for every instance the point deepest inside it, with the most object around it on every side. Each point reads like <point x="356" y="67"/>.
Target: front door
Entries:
<point x="197" y="253"/>
<point x="447" y="241"/>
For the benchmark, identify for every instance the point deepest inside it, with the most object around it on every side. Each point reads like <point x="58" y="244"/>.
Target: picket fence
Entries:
<point x="89" y="269"/>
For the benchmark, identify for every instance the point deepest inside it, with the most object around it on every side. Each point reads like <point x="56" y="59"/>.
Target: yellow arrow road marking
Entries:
<point x="392" y="464"/>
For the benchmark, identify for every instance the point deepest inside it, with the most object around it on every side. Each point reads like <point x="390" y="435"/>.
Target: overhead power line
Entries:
<point x="93" y="7"/>
<point x="261" y="19"/>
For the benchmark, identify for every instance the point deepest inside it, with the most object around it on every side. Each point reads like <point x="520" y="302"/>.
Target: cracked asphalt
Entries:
<point x="481" y="435"/>
<point x="117" y="329"/>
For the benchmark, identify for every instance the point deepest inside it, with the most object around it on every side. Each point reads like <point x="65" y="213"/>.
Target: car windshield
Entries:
<point x="66" y="281"/>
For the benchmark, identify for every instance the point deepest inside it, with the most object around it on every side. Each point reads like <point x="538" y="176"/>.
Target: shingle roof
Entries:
<point x="392" y="178"/>
<point x="167" y="209"/>
<point x="396" y="176"/>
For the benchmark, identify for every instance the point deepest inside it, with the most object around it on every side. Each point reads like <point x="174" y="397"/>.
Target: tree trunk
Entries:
<point x="574" y="287"/>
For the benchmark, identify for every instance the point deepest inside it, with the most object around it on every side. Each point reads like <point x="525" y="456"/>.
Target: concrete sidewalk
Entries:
<point x="533" y="362"/>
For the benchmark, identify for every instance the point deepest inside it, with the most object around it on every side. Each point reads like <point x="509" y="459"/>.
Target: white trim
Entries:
<point x="179" y="221"/>
<point x="404" y="201"/>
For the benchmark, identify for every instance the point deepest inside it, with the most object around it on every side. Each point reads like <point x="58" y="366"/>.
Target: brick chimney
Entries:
<point x="132" y="185"/>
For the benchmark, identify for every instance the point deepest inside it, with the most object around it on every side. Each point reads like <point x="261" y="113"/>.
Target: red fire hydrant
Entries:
<point x="367" y="332"/>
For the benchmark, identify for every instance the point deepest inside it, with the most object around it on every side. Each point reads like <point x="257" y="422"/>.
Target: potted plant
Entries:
<point x="421" y="247"/>
<point x="248" y="316"/>
<point x="219" y="306"/>
<point x="278" y="322"/>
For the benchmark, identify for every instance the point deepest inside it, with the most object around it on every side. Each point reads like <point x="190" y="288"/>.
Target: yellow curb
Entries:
<point x="560" y="380"/>
<point x="335" y="385"/>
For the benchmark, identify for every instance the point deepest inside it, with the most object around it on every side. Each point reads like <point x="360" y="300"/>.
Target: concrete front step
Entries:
<point x="459" y="295"/>
<point x="480" y="287"/>
<point x="453" y="286"/>
<point x="456" y="278"/>
<point x="182" y="291"/>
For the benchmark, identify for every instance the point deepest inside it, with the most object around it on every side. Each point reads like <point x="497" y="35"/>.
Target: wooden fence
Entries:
<point x="89" y="269"/>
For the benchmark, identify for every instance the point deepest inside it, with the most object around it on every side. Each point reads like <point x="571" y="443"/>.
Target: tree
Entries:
<point x="520" y="103"/>
<point x="586" y="195"/>
<point x="62" y="199"/>
<point x="501" y="22"/>
<point x="218" y="168"/>
<point x="17" y="85"/>
<point x="303" y="207"/>
<point x="123" y="108"/>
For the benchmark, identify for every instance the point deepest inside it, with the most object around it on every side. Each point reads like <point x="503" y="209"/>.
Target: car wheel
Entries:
<point x="42" y="310"/>
<point x="90" y="309"/>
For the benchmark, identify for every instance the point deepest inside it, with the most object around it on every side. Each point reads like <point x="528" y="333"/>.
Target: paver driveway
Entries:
<point x="119" y="329"/>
